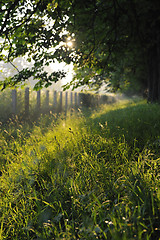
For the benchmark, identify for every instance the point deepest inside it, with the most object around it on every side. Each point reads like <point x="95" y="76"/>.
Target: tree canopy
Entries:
<point x="116" y="41"/>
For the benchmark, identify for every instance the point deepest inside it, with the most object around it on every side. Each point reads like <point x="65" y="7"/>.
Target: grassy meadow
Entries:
<point x="93" y="175"/>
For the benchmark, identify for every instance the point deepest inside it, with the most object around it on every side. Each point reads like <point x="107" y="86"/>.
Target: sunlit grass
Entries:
<point x="94" y="177"/>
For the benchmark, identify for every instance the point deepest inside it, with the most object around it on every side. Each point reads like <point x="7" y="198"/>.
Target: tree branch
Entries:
<point x="8" y="59"/>
<point x="9" y="30"/>
<point x="7" y="15"/>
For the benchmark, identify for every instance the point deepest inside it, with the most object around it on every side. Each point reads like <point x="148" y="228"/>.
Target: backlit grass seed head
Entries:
<point x="109" y="222"/>
<point x="6" y="131"/>
<point x="101" y="125"/>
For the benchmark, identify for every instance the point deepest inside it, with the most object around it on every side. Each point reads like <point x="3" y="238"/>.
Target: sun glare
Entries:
<point x="69" y="44"/>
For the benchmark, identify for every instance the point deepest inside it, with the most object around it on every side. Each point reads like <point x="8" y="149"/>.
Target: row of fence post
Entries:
<point x="61" y="101"/>
<point x="74" y="100"/>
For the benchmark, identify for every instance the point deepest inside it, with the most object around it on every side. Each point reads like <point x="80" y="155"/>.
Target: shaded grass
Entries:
<point x="137" y="122"/>
<point x="94" y="177"/>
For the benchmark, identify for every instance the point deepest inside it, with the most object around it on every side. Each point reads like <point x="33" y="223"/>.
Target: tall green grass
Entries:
<point x="94" y="177"/>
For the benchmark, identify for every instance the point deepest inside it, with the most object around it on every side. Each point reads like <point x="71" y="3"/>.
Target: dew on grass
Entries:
<point x="109" y="222"/>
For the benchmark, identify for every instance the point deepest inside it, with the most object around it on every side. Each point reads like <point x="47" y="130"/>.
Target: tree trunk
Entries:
<point x="154" y="70"/>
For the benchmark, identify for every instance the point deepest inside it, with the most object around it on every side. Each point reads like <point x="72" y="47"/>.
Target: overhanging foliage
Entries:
<point x="108" y="37"/>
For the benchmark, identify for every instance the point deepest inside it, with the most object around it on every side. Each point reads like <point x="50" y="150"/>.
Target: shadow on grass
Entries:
<point x="140" y="123"/>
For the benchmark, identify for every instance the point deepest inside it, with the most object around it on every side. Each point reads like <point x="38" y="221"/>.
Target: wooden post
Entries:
<point x="66" y="103"/>
<point x="99" y="99"/>
<point x="71" y="103"/>
<point x="71" y="99"/>
<point x="27" y="101"/>
<point x="75" y="95"/>
<point x="60" y="101"/>
<point x="38" y="100"/>
<point x="55" y="99"/>
<point x="47" y="99"/>
<point x="78" y="99"/>
<point x="81" y="99"/>
<point x="14" y="101"/>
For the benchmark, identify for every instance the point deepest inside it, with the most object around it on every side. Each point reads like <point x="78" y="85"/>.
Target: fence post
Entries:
<point x="27" y="101"/>
<point x="66" y="103"/>
<point x="14" y="101"/>
<point x="47" y="99"/>
<point x="99" y="100"/>
<point x="60" y="101"/>
<point x="71" y="103"/>
<point x="71" y="99"/>
<point x="75" y="95"/>
<point x="78" y="99"/>
<point x="55" y="99"/>
<point x="38" y="100"/>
